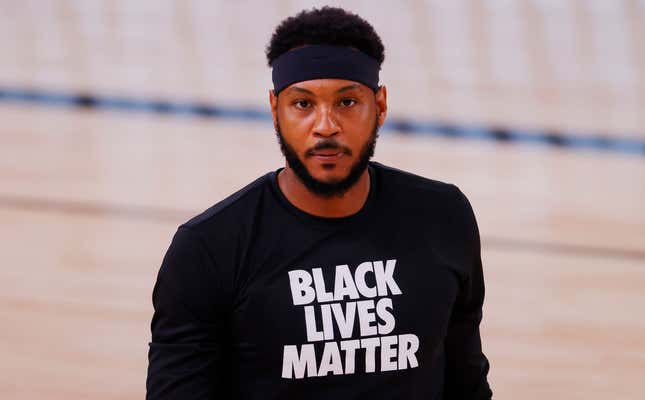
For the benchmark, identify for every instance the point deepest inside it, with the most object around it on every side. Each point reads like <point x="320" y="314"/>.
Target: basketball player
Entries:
<point x="334" y="277"/>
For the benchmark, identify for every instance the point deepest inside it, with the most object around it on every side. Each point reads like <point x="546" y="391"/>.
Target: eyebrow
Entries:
<point x="346" y="88"/>
<point x="303" y="90"/>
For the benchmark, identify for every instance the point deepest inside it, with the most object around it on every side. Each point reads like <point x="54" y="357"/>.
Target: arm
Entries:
<point x="187" y="354"/>
<point x="466" y="365"/>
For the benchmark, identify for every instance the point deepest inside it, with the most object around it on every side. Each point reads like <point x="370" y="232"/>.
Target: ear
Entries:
<point x="273" y="102"/>
<point x="380" y="97"/>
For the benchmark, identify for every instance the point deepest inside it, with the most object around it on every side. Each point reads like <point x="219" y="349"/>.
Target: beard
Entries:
<point x="334" y="188"/>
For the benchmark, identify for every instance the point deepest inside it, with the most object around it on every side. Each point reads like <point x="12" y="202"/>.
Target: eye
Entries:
<point x="347" y="102"/>
<point x="302" y="104"/>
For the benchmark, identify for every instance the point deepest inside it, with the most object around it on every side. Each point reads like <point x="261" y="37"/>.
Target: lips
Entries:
<point x="327" y="155"/>
<point x="326" y="152"/>
<point x="329" y="151"/>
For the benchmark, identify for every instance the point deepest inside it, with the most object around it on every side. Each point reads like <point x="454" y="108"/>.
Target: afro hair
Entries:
<point x="328" y="25"/>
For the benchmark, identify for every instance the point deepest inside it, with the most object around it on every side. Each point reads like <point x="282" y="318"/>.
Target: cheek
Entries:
<point x="294" y="122"/>
<point x="294" y="131"/>
<point x="359" y="124"/>
<point x="361" y="115"/>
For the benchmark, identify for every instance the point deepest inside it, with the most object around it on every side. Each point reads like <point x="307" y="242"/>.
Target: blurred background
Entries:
<point x="121" y="119"/>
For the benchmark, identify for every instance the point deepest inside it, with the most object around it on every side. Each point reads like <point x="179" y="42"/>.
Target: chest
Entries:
<point x="343" y="305"/>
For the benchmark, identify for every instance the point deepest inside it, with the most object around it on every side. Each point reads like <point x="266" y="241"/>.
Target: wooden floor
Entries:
<point x="89" y="200"/>
<point x="87" y="211"/>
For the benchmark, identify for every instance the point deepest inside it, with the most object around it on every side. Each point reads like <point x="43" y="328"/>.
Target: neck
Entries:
<point x="349" y="203"/>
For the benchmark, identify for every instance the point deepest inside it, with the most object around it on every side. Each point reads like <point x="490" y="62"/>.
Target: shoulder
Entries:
<point x="428" y="201"/>
<point x="231" y="211"/>
<point x="201" y="257"/>
<point x="411" y="188"/>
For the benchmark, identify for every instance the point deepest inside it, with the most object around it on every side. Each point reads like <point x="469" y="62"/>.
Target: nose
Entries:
<point x="326" y="124"/>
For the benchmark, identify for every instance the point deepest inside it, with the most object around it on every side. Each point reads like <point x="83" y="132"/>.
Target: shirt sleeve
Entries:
<point x="466" y="365"/>
<point x="187" y="354"/>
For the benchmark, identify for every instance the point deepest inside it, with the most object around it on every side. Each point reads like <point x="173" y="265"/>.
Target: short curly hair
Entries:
<point x="327" y="25"/>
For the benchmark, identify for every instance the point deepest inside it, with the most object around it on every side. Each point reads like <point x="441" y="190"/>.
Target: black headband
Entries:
<point x="323" y="61"/>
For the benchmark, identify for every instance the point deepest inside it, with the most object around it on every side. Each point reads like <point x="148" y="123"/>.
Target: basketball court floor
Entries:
<point x="90" y="195"/>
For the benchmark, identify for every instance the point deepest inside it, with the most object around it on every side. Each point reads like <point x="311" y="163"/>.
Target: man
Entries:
<point x="333" y="277"/>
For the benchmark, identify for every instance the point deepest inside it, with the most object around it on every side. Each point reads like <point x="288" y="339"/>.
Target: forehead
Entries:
<point x="325" y="87"/>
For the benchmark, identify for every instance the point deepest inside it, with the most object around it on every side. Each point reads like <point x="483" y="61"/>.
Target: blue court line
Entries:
<point x="560" y="139"/>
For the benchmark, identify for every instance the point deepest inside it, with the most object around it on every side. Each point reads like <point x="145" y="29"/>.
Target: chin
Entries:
<point x="329" y="173"/>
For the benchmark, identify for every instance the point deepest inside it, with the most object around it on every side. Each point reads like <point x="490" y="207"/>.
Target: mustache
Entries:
<point x="329" y="144"/>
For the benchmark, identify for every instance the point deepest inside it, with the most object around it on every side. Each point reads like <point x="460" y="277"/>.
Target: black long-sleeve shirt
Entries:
<point x="256" y="299"/>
